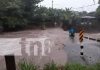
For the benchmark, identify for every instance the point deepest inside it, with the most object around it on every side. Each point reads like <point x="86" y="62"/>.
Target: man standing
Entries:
<point x="72" y="32"/>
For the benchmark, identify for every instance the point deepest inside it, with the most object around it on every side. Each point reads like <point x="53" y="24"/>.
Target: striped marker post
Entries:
<point x="81" y="36"/>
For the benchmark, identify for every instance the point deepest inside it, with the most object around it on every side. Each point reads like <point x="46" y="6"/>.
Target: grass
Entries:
<point x="50" y="66"/>
<point x="74" y="67"/>
<point x="27" y="66"/>
<point x="53" y="66"/>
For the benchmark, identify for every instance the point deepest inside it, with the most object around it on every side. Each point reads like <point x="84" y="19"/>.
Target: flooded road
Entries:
<point x="63" y="49"/>
<point x="91" y="51"/>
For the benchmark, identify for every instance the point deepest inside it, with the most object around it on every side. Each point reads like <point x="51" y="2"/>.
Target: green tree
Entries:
<point x="14" y="13"/>
<point x="98" y="9"/>
<point x="99" y="2"/>
<point x="98" y="12"/>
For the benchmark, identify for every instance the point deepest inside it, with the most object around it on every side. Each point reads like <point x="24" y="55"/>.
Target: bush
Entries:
<point x="14" y="23"/>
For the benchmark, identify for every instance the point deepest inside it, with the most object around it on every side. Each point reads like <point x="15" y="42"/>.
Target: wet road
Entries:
<point x="63" y="49"/>
<point x="91" y="51"/>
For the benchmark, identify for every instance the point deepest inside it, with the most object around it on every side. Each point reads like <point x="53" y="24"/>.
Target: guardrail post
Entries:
<point x="10" y="62"/>
<point x="81" y="36"/>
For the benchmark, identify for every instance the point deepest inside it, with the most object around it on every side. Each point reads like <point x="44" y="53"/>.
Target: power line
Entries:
<point x="86" y="6"/>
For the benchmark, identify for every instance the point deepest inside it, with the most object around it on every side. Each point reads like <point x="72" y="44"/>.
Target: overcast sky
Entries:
<point x="75" y="4"/>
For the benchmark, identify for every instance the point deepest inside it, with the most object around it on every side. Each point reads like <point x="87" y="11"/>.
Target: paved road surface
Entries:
<point x="91" y="51"/>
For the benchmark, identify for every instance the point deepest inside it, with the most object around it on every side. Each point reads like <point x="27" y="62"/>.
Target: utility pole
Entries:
<point x="53" y="13"/>
<point x="52" y="4"/>
<point x="40" y="4"/>
<point x="94" y="1"/>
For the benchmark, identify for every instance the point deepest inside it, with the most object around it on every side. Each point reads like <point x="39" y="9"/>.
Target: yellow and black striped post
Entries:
<point x="81" y="36"/>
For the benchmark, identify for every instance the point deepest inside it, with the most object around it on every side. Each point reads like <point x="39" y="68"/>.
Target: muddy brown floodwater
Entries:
<point x="56" y="35"/>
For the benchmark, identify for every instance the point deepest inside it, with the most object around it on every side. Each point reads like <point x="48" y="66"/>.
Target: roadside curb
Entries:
<point x="98" y="40"/>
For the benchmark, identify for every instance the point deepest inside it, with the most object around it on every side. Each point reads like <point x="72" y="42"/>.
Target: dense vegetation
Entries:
<point x="17" y="14"/>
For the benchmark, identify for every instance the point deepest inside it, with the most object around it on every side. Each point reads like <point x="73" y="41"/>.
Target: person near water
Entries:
<point x="72" y="31"/>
